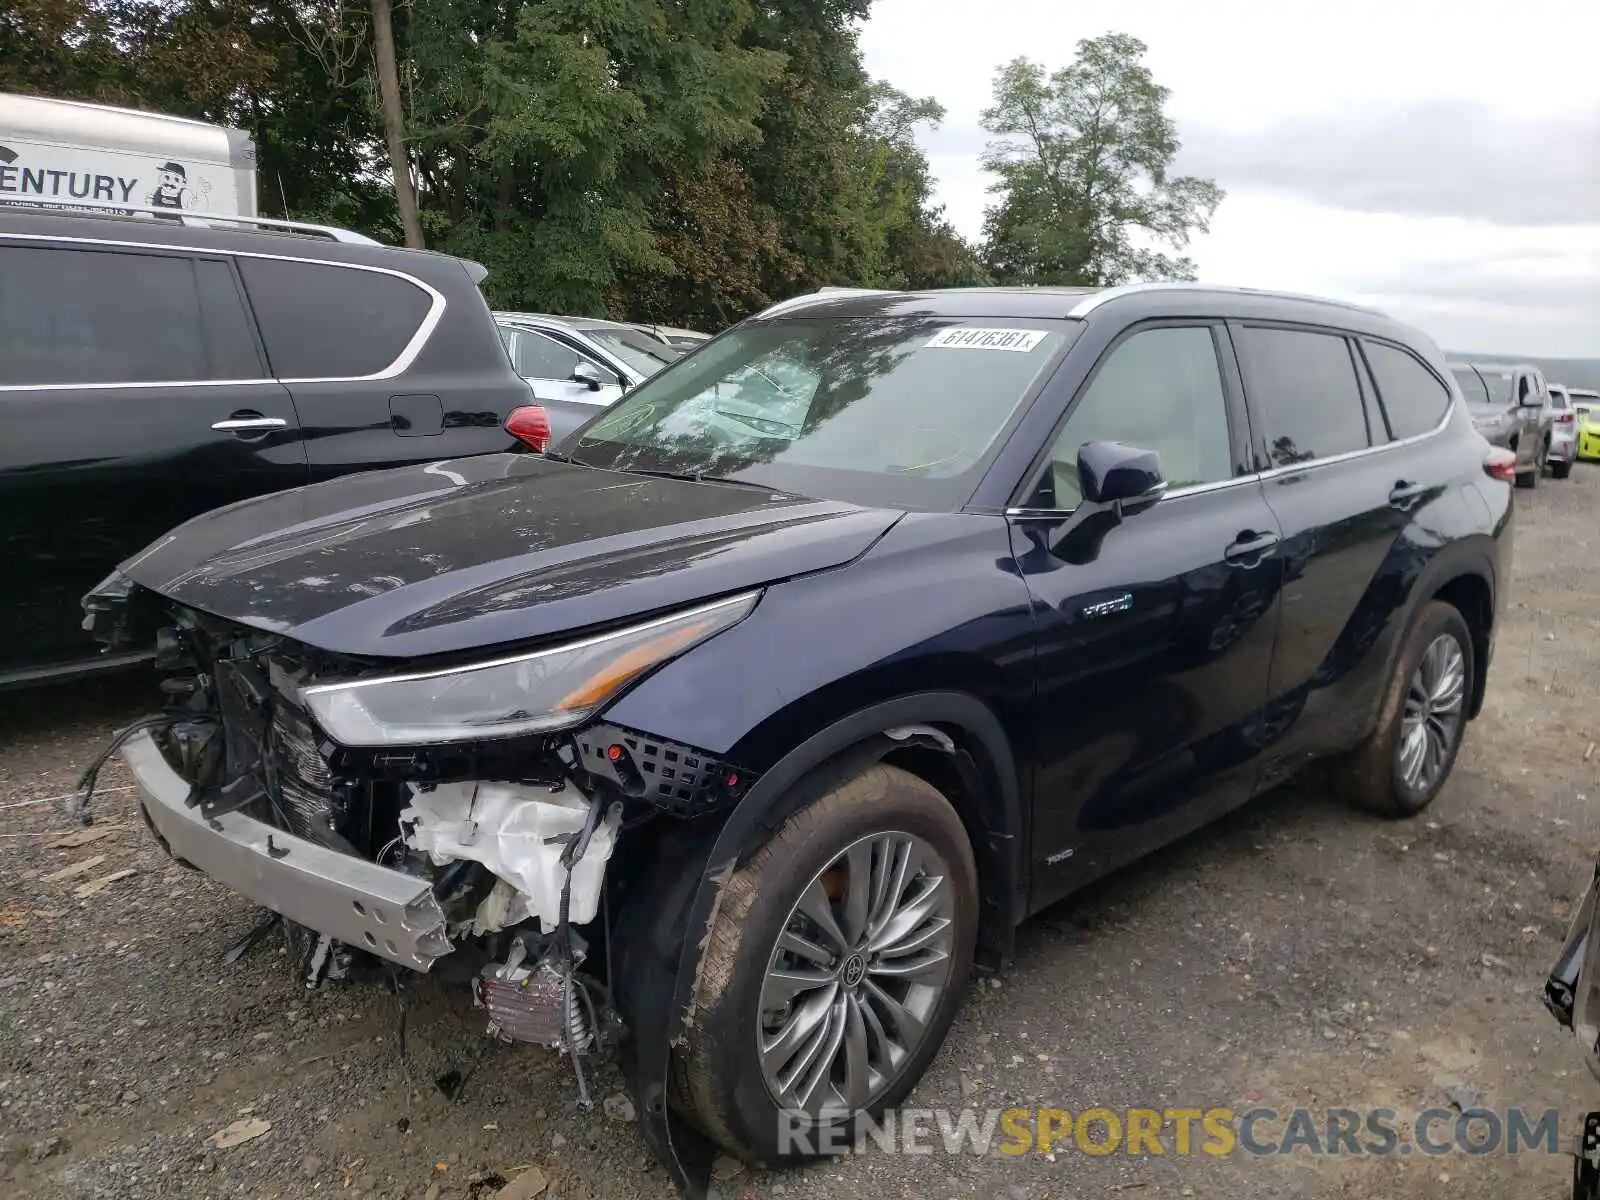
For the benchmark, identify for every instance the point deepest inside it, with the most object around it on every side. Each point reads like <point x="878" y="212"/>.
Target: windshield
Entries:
<point x="640" y="351"/>
<point x="874" y="409"/>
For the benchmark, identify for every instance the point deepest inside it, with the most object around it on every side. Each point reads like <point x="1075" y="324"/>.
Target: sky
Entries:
<point x="1438" y="159"/>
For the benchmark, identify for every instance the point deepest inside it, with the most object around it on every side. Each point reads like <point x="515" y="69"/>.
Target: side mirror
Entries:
<point x="588" y="375"/>
<point x="1116" y="481"/>
<point x="1117" y="475"/>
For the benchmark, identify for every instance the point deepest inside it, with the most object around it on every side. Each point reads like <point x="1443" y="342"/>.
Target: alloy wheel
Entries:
<point x="856" y="975"/>
<point x="1433" y="711"/>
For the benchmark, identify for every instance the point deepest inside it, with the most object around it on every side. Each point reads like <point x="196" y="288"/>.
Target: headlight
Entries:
<point x="529" y="693"/>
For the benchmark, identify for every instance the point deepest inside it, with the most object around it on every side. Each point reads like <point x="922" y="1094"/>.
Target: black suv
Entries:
<point x="152" y="369"/>
<point x="781" y="691"/>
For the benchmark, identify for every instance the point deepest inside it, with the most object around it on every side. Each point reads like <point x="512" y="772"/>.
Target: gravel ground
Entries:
<point x="1295" y="954"/>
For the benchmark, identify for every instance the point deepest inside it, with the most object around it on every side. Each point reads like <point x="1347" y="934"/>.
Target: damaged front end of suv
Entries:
<point x="477" y="821"/>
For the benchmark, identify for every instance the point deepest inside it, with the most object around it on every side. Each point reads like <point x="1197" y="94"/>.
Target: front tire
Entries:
<point x="1406" y="759"/>
<point x="834" y="967"/>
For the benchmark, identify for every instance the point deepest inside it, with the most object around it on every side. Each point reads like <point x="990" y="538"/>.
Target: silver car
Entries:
<point x="578" y="366"/>
<point x="1563" y="450"/>
<point x="683" y="339"/>
<point x="1510" y="407"/>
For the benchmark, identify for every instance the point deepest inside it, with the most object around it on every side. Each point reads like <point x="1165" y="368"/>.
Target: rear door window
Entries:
<point x="1413" y="396"/>
<point x="79" y="316"/>
<point x="322" y="321"/>
<point x="1302" y="384"/>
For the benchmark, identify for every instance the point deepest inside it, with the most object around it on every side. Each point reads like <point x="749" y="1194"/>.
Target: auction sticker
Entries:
<point x="969" y="338"/>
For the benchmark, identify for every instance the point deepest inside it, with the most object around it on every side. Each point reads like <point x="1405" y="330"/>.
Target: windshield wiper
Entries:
<point x="702" y="477"/>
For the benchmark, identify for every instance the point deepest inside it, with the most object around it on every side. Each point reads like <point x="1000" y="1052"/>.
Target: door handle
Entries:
<point x="1249" y="548"/>
<point x="249" y="422"/>
<point x="1405" y="493"/>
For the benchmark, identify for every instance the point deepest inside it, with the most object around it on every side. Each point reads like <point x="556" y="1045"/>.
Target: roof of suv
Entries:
<point x="1031" y="302"/>
<point x="229" y="234"/>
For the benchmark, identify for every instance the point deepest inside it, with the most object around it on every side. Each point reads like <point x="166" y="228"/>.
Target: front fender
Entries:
<point x="688" y="897"/>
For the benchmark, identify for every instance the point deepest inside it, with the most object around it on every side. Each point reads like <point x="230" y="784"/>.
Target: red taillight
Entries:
<point x="530" y="426"/>
<point x="1501" y="464"/>
<point x="1563" y="418"/>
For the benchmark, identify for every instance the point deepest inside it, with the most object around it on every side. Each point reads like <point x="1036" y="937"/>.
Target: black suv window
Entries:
<point x="330" y="322"/>
<point x="1304" y="386"/>
<point x="72" y="316"/>
<point x="1160" y="389"/>
<point x="1412" y="395"/>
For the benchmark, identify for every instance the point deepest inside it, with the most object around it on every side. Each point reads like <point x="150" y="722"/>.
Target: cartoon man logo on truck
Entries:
<point x="173" y="190"/>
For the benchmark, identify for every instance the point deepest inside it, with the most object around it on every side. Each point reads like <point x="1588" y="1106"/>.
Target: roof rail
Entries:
<point x="1096" y="298"/>
<point x="98" y="208"/>
<point x="822" y="293"/>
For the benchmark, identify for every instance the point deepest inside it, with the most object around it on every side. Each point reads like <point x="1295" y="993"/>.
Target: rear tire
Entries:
<point x="738" y="1036"/>
<point x="1560" y="470"/>
<point x="1409" y="755"/>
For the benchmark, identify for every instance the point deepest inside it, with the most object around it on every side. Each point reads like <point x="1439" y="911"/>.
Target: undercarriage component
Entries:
<point x="387" y="913"/>
<point x="540" y="1004"/>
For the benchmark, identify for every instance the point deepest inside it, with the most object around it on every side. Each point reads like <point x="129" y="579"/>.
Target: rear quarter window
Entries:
<point x="1413" y="397"/>
<point x="323" y="321"/>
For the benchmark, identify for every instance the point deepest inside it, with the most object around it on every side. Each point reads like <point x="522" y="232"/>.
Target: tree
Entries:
<point x="906" y="242"/>
<point x="394" y="120"/>
<point x="1082" y="160"/>
<point x="686" y="162"/>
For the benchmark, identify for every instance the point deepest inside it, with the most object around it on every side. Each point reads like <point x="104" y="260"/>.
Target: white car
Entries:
<point x="577" y="366"/>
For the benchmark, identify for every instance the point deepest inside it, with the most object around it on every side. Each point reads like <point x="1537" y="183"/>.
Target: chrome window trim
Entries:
<point x="1271" y="473"/>
<point x="402" y="362"/>
<point x="1311" y="464"/>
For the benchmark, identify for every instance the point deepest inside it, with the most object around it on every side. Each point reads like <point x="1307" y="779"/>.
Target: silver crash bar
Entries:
<point x="388" y="913"/>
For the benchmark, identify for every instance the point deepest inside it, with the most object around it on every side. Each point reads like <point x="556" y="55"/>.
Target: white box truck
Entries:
<point x="66" y="153"/>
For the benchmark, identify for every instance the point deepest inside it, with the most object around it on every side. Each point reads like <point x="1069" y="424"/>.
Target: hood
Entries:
<point x="489" y="550"/>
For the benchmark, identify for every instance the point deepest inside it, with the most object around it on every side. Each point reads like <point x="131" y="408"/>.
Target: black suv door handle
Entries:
<point x="247" y="422"/>
<point x="1249" y="548"/>
<point x="1405" y="493"/>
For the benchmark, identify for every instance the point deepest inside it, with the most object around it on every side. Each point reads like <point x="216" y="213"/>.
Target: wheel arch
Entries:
<point x="1468" y="586"/>
<point x="952" y="739"/>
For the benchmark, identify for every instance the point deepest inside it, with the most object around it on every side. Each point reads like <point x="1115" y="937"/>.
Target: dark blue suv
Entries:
<point x="758" y="709"/>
